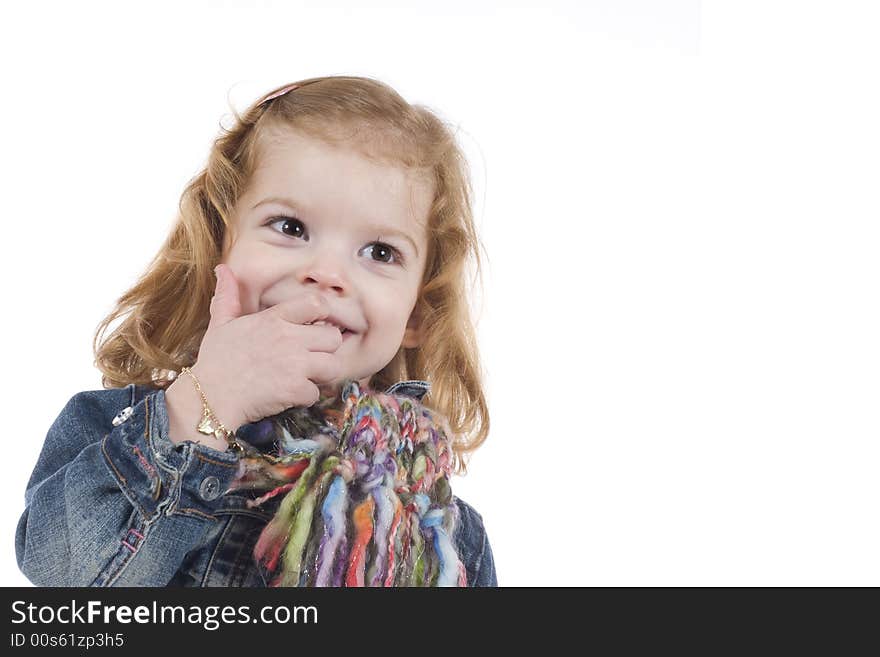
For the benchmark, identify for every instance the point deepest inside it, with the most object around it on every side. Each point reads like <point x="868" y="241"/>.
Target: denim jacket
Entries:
<point x="113" y="502"/>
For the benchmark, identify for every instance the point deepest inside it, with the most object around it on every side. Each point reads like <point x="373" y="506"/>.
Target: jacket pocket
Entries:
<point x="231" y="562"/>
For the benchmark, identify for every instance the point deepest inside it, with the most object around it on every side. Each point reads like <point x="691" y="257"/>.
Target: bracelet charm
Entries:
<point x="209" y="424"/>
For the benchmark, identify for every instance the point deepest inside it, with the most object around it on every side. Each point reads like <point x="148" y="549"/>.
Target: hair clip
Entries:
<point x="280" y="92"/>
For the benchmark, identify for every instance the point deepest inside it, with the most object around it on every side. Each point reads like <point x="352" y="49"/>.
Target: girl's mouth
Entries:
<point x="342" y="329"/>
<point x="346" y="332"/>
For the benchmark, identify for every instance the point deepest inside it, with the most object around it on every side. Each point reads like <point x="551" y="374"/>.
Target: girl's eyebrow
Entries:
<point x="278" y="199"/>
<point x="373" y="228"/>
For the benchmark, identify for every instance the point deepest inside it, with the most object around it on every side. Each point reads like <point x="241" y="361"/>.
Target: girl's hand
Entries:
<point x="254" y="366"/>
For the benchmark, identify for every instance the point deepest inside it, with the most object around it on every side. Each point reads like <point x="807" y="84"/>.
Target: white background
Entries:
<point x="679" y="202"/>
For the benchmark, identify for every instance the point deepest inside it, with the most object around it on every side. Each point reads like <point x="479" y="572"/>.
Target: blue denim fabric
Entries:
<point x="113" y="502"/>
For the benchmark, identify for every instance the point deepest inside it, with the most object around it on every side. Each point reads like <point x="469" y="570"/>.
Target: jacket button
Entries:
<point x="209" y="489"/>
<point x="122" y="416"/>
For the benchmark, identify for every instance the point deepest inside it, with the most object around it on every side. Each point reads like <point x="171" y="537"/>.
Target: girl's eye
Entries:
<point x="382" y="252"/>
<point x="296" y="228"/>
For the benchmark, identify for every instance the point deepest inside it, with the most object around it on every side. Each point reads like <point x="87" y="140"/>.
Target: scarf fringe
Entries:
<point x="366" y="503"/>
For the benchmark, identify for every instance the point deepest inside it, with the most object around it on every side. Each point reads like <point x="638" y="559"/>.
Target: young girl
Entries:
<point x="297" y="420"/>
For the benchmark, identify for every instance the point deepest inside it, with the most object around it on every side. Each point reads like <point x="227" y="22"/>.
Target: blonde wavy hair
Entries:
<point x="166" y="313"/>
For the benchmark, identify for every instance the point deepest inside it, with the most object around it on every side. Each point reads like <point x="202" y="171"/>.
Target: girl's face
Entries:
<point x="325" y="218"/>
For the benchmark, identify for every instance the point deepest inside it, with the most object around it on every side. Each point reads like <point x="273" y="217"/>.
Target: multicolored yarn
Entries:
<point x="367" y="500"/>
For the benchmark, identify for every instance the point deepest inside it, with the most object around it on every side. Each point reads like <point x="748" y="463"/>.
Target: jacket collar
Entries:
<point x="252" y="433"/>
<point x="412" y="388"/>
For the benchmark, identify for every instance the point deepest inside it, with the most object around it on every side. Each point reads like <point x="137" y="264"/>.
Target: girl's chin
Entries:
<point x="331" y="387"/>
<point x="334" y="387"/>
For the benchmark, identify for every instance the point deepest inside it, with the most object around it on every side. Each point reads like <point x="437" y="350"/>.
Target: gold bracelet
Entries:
<point x="210" y="425"/>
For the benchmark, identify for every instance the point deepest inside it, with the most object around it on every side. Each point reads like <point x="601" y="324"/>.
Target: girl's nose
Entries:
<point x="325" y="273"/>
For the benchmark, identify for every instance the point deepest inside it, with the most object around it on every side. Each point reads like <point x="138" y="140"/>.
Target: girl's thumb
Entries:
<point x="225" y="305"/>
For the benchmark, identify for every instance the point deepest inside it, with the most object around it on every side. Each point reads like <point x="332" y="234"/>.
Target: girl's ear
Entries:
<point x="412" y="336"/>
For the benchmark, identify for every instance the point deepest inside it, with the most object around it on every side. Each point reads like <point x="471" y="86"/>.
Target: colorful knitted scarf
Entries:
<point x="366" y="495"/>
